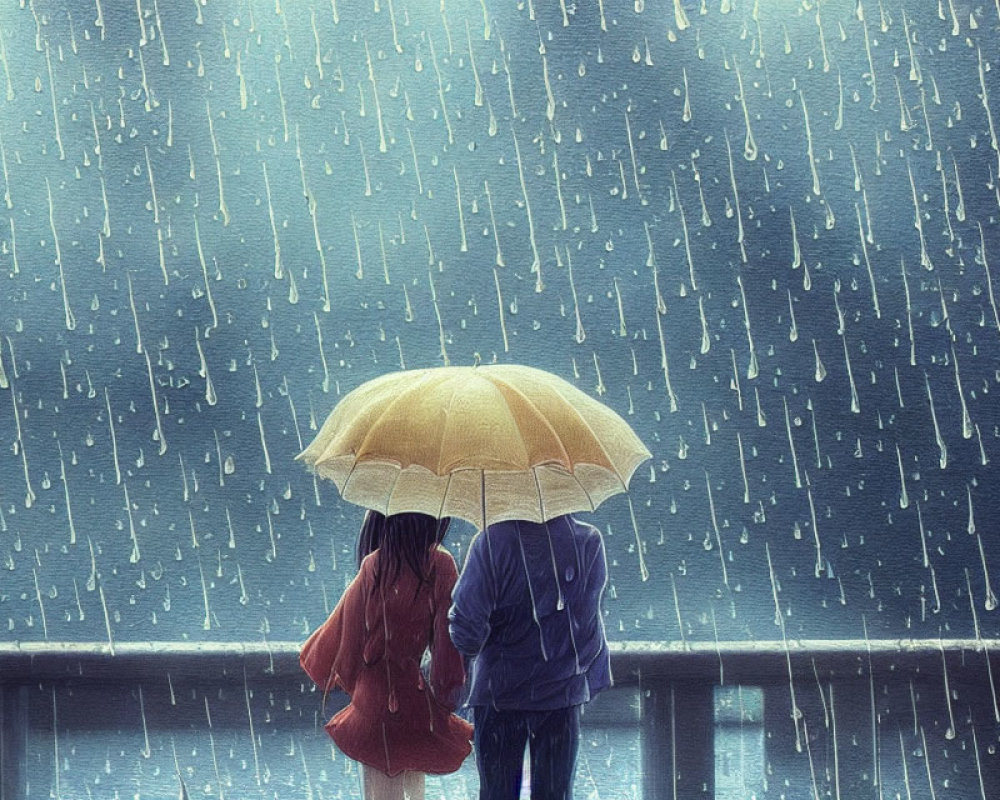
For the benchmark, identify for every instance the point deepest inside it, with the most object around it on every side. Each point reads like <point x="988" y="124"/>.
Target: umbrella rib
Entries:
<point x="482" y="483"/>
<point x="447" y="411"/>
<point x="584" y="490"/>
<point x="392" y="489"/>
<point x="600" y="444"/>
<point x="444" y="497"/>
<point x="388" y="407"/>
<point x="516" y="390"/>
<point x="347" y="480"/>
<point x="538" y="489"/>
<point x="583" y="420"/>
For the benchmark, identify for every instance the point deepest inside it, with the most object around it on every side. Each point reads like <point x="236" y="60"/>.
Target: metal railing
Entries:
<point x="675" y="681"/>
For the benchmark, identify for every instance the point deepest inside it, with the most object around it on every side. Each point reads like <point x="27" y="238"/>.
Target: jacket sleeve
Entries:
<point x="594" y="654"/>
<point x="332" y="655"/>
<point x="597" y="575"/>
<point x="473" y="600"/>
<point x="447" y="674"/>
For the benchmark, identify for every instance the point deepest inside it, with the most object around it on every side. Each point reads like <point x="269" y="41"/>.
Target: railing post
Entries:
<point x="678" y="760"/>
<point x="694" y="741"/>
<point x="13" y="740"/>
<point x="655" y="740"/>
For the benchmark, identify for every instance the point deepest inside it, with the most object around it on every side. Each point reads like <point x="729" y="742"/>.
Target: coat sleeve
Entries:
<point x="473" y="600"/>
<point x="594" y="655"/>
<point x="447" y="668"/>
<point x="332" y="655"/>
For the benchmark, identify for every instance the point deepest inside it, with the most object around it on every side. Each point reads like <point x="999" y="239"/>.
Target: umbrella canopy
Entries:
<point x="484" y="443"/>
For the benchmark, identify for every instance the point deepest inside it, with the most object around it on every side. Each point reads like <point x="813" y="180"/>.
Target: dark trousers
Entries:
<point x="553" y="738"/>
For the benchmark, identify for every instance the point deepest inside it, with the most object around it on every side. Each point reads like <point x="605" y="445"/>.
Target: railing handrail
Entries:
<point x="674" y="766"/>
<point x="633" y="662"/>
<point x="633" y="647"/>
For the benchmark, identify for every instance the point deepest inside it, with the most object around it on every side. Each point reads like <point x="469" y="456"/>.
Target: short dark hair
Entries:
<point x="402" y="539"/>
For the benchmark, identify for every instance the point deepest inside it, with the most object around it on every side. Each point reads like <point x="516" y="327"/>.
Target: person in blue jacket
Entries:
<point x="527" y="610"/>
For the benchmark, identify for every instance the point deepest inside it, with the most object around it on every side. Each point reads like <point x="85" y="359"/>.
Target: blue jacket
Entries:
<point x="527" y="607"/>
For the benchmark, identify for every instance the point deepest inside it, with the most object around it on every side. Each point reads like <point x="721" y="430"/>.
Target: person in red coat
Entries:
<point x="399" y="723"/>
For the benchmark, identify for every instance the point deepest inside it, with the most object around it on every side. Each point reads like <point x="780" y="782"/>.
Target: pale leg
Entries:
<point x="413" y="784"/>
<point x="379" y="786"/>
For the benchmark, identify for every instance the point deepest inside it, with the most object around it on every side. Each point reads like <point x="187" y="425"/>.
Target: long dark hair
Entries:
<point x="402" y="539"/>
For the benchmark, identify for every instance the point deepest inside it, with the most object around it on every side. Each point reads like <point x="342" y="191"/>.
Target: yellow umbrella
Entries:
<point x="484" y="443"/>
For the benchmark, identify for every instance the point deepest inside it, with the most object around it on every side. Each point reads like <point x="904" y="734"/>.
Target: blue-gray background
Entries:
<point x="571" y="186"/>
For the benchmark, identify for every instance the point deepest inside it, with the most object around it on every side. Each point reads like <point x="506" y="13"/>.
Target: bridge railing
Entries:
<point x="838" y="718"/>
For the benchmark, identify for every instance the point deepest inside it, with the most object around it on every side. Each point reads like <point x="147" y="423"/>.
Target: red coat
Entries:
<point x="371" y="647"/>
